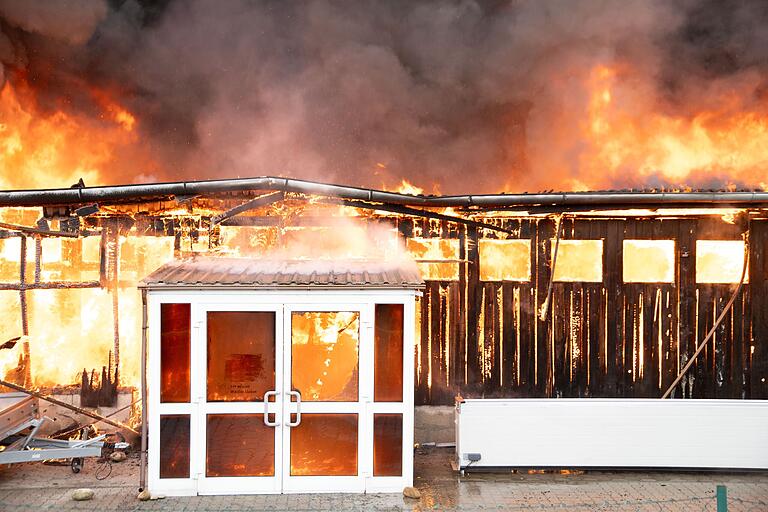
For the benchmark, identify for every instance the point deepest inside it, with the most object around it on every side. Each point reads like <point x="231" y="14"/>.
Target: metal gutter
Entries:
<point x="123" y="193"/>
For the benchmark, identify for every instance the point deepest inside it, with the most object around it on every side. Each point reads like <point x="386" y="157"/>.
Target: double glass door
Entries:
<point x="283" y="403"/>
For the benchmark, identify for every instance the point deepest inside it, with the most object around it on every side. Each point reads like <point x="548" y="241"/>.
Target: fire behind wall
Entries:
<point x="615" y="326"/>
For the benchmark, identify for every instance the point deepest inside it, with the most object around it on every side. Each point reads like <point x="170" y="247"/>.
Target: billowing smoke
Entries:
<point x="480" y="96"/>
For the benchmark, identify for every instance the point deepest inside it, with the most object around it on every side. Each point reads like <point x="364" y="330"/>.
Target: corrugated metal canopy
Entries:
<point x="270" y="273"/>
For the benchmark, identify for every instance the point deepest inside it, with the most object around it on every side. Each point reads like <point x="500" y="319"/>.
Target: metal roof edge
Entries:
<point x="286" y="287"/>
<point x="116" y="193"/>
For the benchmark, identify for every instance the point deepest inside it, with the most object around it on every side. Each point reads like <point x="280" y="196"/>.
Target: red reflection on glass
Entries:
<point x="241" y="355"/>
<point x="174" y="352"/>
<point x="387" y="445"/>
<point x="239" y="445"/>
<point x="388" y="353"/>
<point x="324" y="445"/>
<point x="174" y="446"/>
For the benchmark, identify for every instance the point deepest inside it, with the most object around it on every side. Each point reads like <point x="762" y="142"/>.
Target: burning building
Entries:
<point x="546" y="295"/>
<point x="616" y="294"/>
<point x="642" y="279"/>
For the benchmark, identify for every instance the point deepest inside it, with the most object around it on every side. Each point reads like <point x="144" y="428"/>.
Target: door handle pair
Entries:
<point x="266" y="410"/>
<point x="277" y="422"/>
<point x="298" y="409"/>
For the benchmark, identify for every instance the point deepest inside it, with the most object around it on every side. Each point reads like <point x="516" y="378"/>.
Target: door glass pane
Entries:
<point x="324" y="355"/>
<point x="388" y="353"/>
<point x="324" y="445"/>
<point x="239" y="445"/>
<point x="387" y="445"/>
<point x="241" y="355"/>
<point x="174" y="446"/>
<point x="174" y="352"/>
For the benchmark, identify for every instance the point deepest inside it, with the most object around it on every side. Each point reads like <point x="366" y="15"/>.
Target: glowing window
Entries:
<point x="579" y="260"/>
<point x="10" y="249"/>
<point x="719" y="261"/>
<point x="91" y="249"/>
<point x="51" y="249"/>
<point x="437" y="258"/>
<point x="505" y="260"/>
<point x="649" y="261"/>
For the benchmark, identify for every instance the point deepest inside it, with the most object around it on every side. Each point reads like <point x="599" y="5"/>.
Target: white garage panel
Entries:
<point x="618" y="433"/>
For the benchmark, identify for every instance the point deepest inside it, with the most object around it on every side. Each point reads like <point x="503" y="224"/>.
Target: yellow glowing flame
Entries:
<point x="624" y="133"/>
<point x="71" y="330"/>
<point x="406" y="187"/>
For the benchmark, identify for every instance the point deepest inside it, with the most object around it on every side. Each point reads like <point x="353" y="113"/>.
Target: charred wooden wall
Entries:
<point x="609" y="339"/>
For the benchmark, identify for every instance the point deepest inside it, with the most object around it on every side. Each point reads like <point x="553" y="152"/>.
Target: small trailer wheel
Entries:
<point x="77" y="465"/>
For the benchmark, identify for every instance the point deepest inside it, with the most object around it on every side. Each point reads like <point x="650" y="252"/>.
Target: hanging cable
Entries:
<point x="718" y="321"/>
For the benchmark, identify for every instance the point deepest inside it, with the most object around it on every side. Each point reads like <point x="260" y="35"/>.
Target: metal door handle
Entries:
<point x="266" y="410"/>
<point x="298" y="409"/>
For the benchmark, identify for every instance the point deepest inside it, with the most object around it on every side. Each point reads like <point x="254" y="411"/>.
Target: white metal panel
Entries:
<point x="646" y="433"/>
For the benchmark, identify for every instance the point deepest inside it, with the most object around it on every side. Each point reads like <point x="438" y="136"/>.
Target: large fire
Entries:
<point x="57" y="148"/>
<point x="621" y="131"/>
<point x="723" y="144"/>
<point x="69" y="330"/>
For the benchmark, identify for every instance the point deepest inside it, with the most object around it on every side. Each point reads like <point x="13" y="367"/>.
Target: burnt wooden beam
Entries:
<point x="37" y="231"/>
<point x="407" y="210"/>
<point x="474" y="297"/>
<point x="258" y="202"/>
<point x="50" y="285"/>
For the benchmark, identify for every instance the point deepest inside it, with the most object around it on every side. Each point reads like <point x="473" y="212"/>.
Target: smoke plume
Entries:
<point x="480" y="96"/>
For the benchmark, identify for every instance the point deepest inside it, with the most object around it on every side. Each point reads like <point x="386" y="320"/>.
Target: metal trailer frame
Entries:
<point x="20" y="414"/>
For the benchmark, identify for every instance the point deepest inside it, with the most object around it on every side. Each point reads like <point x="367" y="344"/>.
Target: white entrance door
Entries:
<point x="282" y="402"/>
<point x="240" y="398"/>
<point x="327" y="375"/>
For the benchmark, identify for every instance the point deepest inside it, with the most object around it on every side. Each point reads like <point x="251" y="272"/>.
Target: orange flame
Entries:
<point x="39" y="150"/>
<point x="728" y="141"/>
<point x="406" y="187"/>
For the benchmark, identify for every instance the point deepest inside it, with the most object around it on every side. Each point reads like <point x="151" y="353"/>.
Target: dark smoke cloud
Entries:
<point x="472" y="95"/>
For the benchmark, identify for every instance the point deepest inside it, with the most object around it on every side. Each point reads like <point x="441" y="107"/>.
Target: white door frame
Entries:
<point x="236" y="484"/>
<point x="293" y="484"/>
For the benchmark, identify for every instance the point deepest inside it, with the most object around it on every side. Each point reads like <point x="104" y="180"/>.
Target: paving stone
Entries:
<point x="40" y="488"/>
